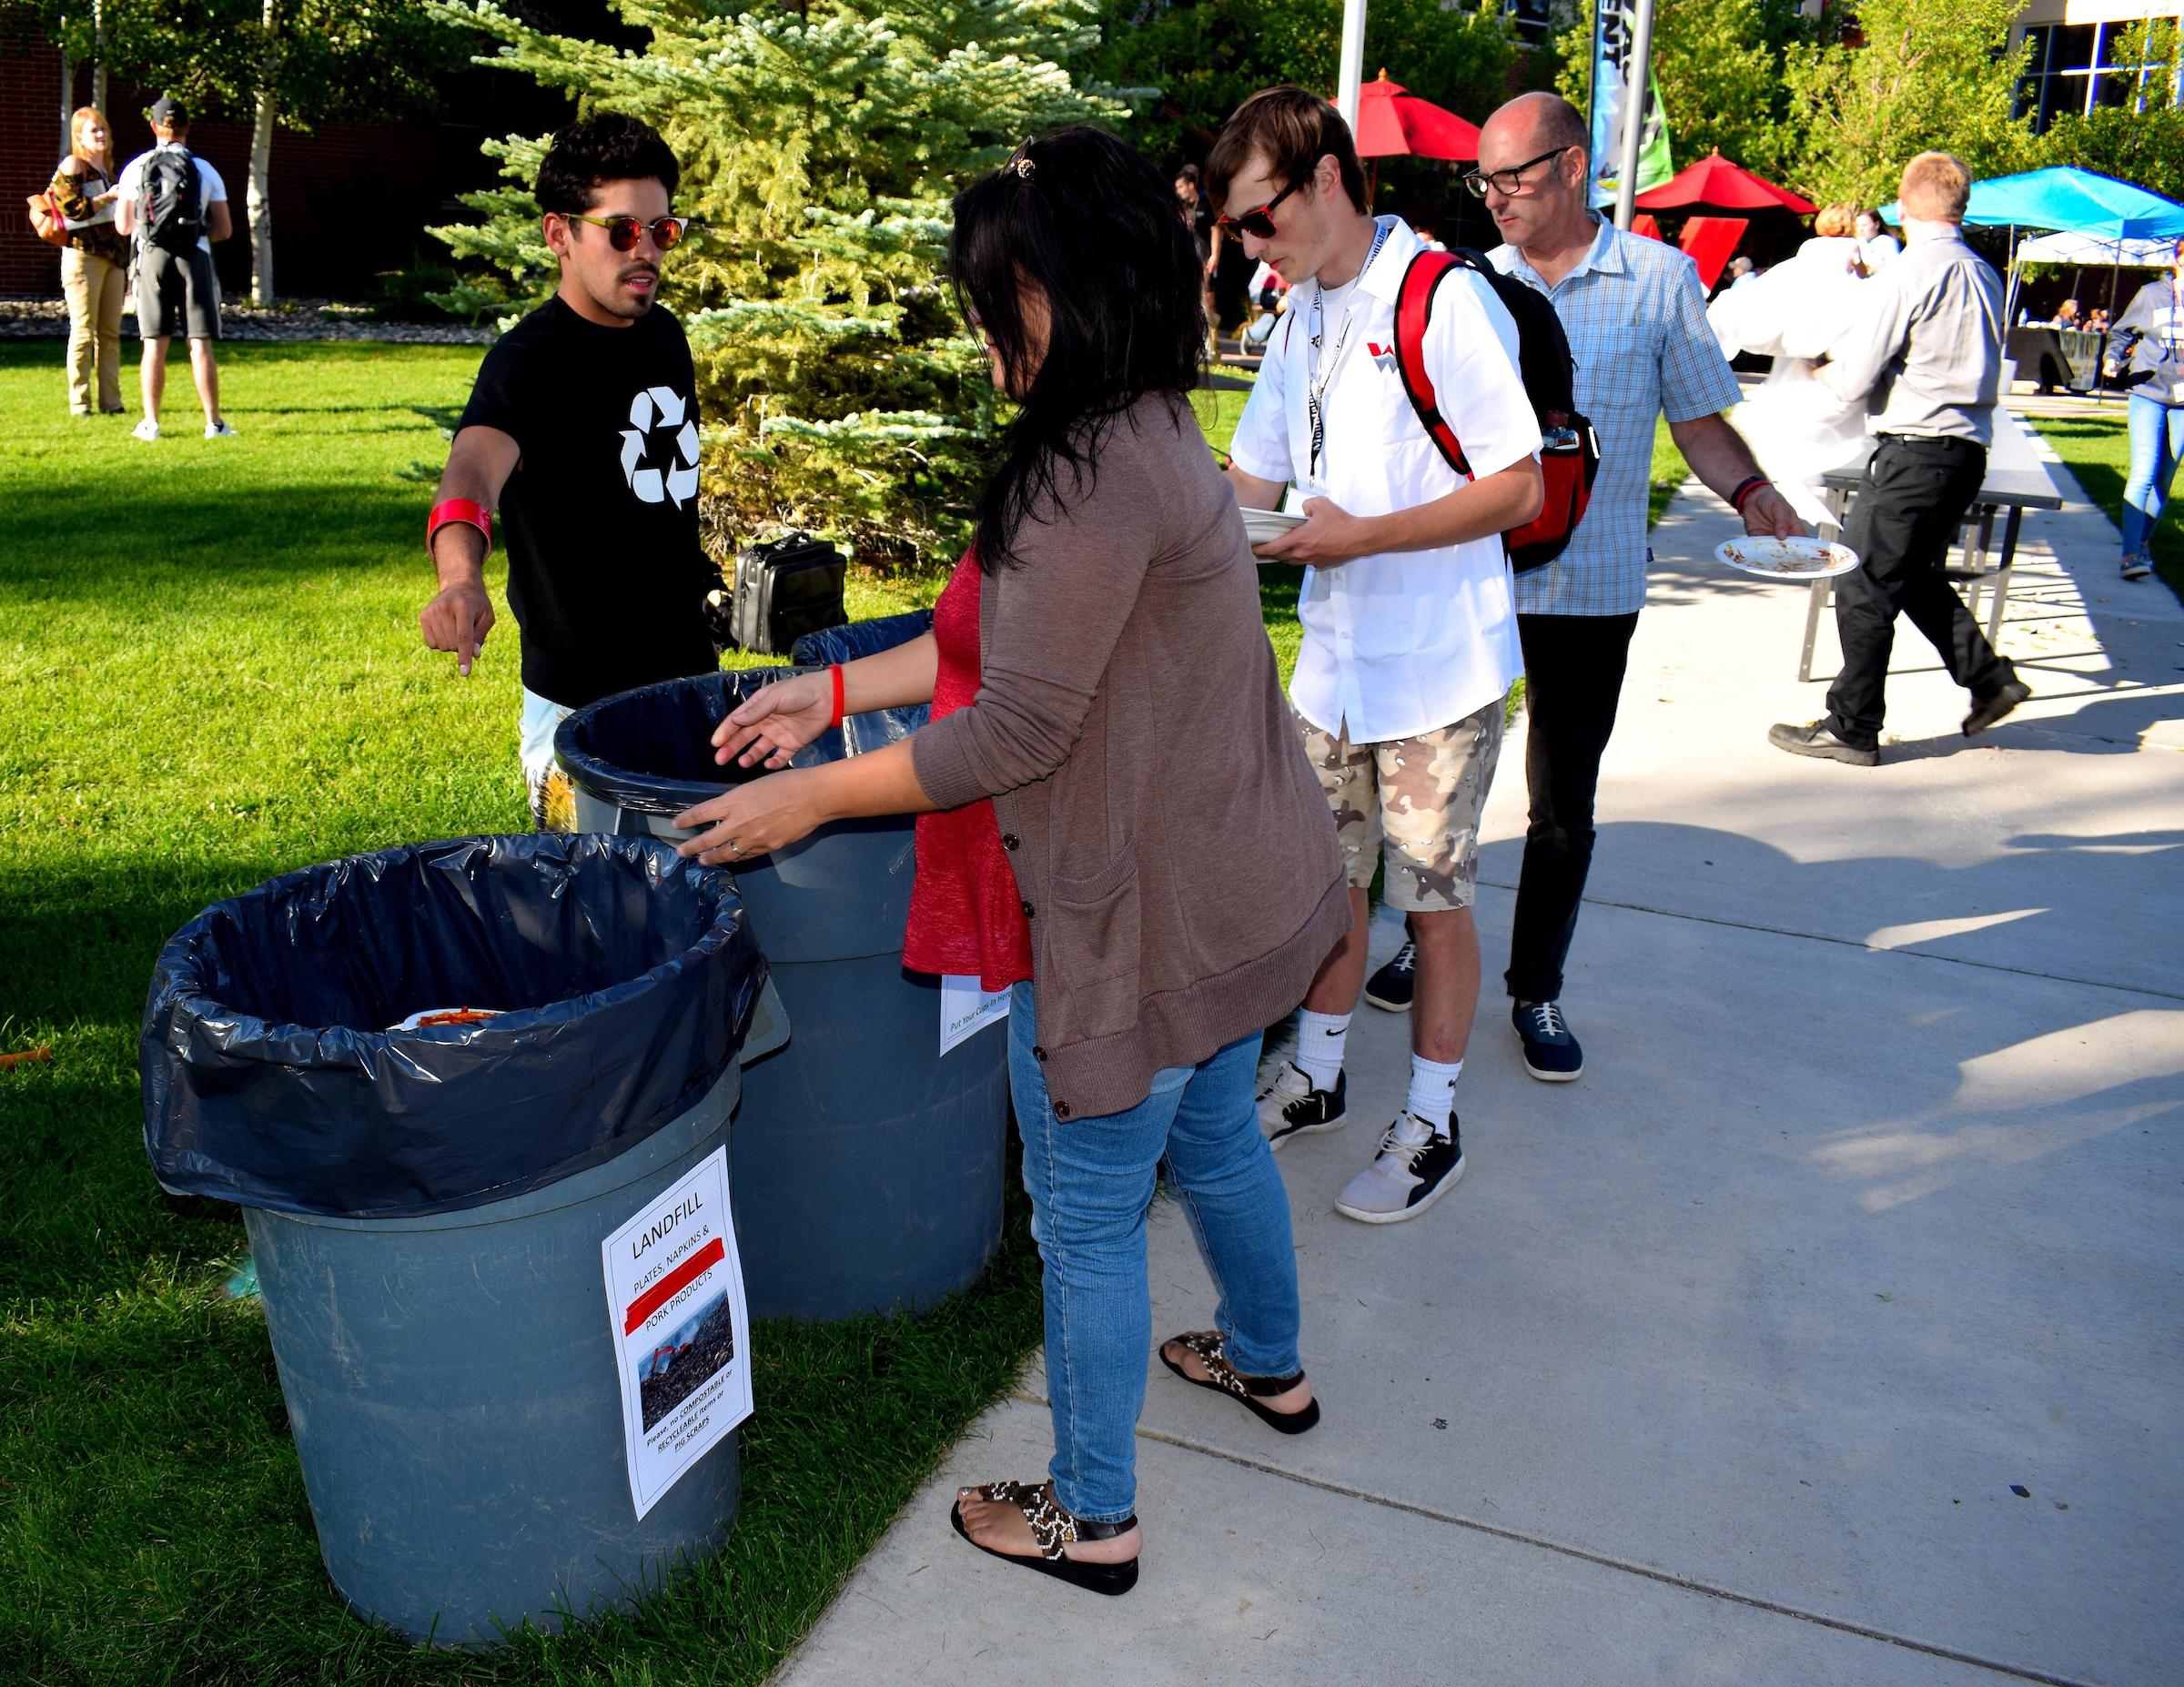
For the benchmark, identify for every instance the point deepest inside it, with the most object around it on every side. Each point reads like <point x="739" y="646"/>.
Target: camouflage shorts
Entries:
<point x="1415" y="801"/>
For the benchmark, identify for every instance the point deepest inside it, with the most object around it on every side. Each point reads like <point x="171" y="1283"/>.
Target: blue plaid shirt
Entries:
<point x="1636" y="320"/>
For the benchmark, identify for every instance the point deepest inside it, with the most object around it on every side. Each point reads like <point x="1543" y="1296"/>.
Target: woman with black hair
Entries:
<point x="1117" y="820"/>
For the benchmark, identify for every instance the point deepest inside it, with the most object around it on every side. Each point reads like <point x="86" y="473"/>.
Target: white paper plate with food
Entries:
<point x="1260" y="525"/>
<point x="434" y="1018"/>
<point x="1787" y="559"/>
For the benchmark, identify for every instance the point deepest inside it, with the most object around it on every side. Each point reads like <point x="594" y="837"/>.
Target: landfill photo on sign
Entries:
<point x="682" y="1361"/>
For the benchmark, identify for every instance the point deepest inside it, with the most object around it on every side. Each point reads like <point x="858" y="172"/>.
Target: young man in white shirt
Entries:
<point x="178" y="291"/>
<point x="1410" y="624"/>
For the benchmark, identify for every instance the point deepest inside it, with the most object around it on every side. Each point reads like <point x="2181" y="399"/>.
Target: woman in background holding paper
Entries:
<point x="1133" y="842"/>
<point x="1795" y="425"/>
<point x="94" y="265"/>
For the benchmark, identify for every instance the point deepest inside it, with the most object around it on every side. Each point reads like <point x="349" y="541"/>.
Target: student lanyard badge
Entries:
<point x="1322" y="371"/>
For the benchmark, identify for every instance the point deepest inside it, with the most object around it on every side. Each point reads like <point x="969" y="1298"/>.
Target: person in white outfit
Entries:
<point x="1796" y="426"/>
<point x="1875" y="244"/>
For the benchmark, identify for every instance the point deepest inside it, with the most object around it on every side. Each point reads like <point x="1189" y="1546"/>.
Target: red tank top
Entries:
<point x="967" y="915"/>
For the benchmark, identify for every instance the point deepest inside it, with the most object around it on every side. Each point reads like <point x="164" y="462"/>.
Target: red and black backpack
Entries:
<point x="1569" y="449"/>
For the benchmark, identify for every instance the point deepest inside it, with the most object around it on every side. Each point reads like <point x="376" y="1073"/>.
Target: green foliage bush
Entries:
<point x="820" y="148"/>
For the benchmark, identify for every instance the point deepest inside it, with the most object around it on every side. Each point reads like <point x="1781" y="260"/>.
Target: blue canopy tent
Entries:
<point x="2072" y="200"/>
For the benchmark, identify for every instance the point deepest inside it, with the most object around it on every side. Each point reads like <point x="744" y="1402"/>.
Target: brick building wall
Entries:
<point x="30" y="122"/>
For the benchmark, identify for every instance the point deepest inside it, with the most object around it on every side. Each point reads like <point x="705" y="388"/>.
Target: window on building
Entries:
<point x="2075" y="67"/>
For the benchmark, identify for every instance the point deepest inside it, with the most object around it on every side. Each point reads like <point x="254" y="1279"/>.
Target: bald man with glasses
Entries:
<point x="1636" y="318"/>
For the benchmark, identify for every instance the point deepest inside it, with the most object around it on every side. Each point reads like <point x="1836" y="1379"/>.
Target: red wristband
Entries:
<point x="841" y="689"/>
<point x="1749" y="485"/>
<point x="468" y="511"/>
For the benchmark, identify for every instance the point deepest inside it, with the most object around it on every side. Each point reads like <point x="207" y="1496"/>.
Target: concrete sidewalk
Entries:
<point x="1826" y="1330"/>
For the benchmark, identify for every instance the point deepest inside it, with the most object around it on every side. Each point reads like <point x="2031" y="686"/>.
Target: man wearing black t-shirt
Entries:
<point x="582" y="430"/>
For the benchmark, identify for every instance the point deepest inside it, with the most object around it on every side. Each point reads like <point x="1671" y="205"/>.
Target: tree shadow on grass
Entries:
<point x="85" y="545"/>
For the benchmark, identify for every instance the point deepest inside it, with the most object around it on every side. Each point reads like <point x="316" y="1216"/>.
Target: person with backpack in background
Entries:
<point x="1410" y="640"/>
<point x="1635" y="315"/>
<point x="176" y="205"/>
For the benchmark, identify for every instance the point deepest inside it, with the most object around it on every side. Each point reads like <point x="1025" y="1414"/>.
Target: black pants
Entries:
<point x="1908" y="507"/>
<point x="1573" y="677"/>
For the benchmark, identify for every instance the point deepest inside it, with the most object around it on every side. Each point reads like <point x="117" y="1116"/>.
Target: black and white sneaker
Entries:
<point x="1416" y="1165"/>
<point x="1289" y="1105"/>
<point x="1551" y="1053"/>
<point x="1392" y="986"/>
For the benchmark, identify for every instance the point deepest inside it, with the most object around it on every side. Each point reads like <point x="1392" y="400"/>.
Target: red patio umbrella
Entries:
<point x="1392" y="123"/>
<point x="1715" y="184"/>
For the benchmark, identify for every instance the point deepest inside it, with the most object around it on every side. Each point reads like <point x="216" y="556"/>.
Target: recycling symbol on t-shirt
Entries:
<point x="658" y="410"/>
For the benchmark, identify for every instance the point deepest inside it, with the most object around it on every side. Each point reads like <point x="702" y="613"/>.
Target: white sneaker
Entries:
<point x="1415" y="1167"/>
<point x="146" y="428"/>
<point x="221" y="430"/>
<point x="1289" y="1105"/>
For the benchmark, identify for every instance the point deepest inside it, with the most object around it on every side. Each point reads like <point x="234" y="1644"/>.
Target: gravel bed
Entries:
<point x="302" y="318"/>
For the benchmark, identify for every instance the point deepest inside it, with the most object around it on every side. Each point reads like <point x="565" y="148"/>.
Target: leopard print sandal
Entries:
<point x="1227" y="1379"/>
<point x="1054" y="1528"/>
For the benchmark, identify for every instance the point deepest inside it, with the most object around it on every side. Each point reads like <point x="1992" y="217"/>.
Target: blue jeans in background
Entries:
<point x="1091" y="1183"/>
<point x="2157" y="444"/>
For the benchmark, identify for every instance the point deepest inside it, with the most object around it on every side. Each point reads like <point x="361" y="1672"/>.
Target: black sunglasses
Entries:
<point x="1511" y="182"/>
<point x="667" y="232"/>
<point x="1258" y="222"/>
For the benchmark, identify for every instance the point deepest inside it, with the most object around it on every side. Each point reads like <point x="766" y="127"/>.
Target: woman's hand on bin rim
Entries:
<point x="766" y="814"/>
<point x="775" y="721"/>
<point x="781" y="809"/>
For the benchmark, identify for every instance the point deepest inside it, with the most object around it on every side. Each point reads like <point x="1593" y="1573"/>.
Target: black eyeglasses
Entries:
<point x="667" y="232"/>
<point x="1259" y="222"/>
<point x="1508" y="183"/>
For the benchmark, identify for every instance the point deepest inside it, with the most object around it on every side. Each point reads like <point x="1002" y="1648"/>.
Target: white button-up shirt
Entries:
<point x="1399" y="642"/>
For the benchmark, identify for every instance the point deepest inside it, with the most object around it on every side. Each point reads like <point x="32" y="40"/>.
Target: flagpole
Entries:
<point x="1636" y="82"/>
<point x="1352" y="62"/>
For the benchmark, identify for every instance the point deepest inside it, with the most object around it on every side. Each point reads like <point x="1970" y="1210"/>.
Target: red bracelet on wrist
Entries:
<point x="841" y="689"/>
<point x="467" y="511"/>
<point x="1745" y="488"/>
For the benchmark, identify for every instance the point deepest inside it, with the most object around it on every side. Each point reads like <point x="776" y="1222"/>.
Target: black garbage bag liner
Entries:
<point x="625" y="979"/>
<point x="650" y="750"/>
<point x="860" y="638"/>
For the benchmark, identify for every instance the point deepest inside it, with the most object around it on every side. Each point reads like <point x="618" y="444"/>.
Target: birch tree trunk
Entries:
<point x="260" y="198"/>
<point x="98" y="70"/>
<point x="67" y="101"/>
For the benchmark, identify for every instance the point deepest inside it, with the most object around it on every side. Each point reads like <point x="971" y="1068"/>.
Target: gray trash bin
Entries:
<point x="426" y="1207"/>
<point x="868" y="1167"/>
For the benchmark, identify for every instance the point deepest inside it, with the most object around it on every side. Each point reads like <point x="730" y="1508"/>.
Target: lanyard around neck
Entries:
<point x="1322" y="370"/>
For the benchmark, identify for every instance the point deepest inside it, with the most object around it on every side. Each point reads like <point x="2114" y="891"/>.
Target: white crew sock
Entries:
<point x="1320" y="1040"/>
<point x="1432" y="1090"/>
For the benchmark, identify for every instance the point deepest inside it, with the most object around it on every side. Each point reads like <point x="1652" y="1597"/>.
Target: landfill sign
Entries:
<point x="682" y="1332"/>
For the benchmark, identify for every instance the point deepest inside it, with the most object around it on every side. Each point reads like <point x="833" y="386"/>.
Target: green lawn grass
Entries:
<point x="1218" y="411"/>
<point x="210" y="672"/>
<point x="1669" y="471"/>
<point x="2098" y="451"/>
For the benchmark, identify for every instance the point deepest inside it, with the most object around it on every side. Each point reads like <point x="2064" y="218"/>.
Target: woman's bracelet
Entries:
<point x="841" y="690"/>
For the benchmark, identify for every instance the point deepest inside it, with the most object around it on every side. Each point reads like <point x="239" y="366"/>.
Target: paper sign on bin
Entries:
<point x="682" y="1331"/>
<point x="965" y="1009"/>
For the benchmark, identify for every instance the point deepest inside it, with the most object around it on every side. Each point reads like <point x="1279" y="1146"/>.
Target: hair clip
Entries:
<point x="1019" y="163"/>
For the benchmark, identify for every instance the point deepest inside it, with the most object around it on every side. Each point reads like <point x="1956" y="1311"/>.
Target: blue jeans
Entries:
<point x="2157" y="444"/>
<point x="1091" y="1183"/>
